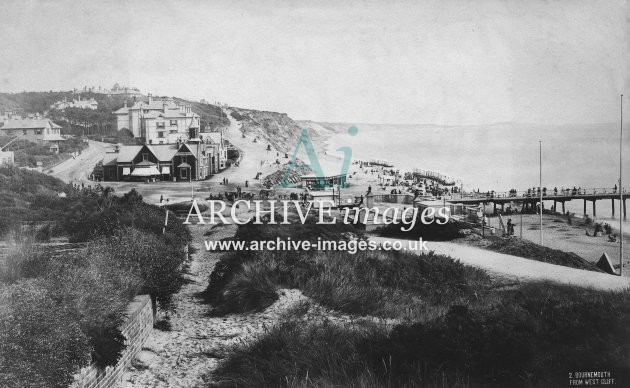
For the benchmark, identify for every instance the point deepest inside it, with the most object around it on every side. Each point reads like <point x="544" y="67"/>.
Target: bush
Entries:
<point x="148" y="257"/>
<point x="40" y="344"/>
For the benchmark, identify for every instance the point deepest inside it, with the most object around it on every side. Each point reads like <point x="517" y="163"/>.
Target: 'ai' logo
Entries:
<point x="305" y="139"/>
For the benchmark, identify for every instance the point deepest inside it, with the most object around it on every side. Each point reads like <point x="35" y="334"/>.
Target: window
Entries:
<point x="145" y="156"/>
<point x="173" y="123"/>
<point x="150" y="141"/>
<point x="160" y="134"/>
<point x="23" y="132"/>
<point x="38" y="131"/>
<point x="161" y="142"/>
<point x="159" y="125"/>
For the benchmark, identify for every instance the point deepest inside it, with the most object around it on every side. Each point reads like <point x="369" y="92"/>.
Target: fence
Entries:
<point x="136" y="329"/>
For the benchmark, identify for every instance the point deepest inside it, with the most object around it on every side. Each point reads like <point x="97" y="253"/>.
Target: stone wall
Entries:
<point x="136" y="329"/>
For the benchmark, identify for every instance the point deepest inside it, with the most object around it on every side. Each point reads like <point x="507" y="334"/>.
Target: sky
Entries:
<point x="408" y="62"/>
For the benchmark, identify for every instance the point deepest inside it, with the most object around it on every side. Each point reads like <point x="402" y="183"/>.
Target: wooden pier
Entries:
<point x="531" y="200"/>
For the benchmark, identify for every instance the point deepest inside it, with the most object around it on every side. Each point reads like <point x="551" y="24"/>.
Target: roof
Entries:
<point x="163" y="152"/>
<point x="28" y="124"/>
<point x="433" y="203"/>
<point x="145" y="171"/>
<point x="127" y="153"/>
<point x="184" y="165"/>
<point x="110" y="159"/>
<point x="122" y="111"/>
<point x="54" y="137"/>
<point x="145" y="163"/>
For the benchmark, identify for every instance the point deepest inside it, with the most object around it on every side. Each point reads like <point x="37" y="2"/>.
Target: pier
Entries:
<point x="529" y="200"/>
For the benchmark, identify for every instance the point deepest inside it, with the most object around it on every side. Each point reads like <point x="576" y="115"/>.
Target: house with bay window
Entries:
<point x="159" y="121"/>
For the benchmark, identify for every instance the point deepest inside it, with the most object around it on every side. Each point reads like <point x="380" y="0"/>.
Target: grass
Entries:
<point x="530" y="250"/>
<point x="531" y="336"/>
<point x="451" y="325"/>
<point x="378" y="283"/>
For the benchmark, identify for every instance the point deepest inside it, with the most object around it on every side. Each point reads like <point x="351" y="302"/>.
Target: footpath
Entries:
<point x="521" y="269"/>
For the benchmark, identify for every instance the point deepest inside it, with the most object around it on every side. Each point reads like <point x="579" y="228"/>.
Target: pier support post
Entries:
<point x="563" y="211"/>
<point x="584" y="208"/>
<point x="554" y="205"/>
<point x="624" y="208"/>
<point x="594" y="209"/>
<point x="612" y="203"/>
<point x="503" y="207"/>
<point x="495" y="208"/>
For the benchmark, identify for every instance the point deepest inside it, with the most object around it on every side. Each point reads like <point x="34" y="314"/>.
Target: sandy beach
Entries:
<point x="559" y="234"/>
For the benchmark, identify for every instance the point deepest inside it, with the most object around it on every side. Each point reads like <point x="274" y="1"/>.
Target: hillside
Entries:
<point x="99" y="122"/>
<point x="278" y="129"/>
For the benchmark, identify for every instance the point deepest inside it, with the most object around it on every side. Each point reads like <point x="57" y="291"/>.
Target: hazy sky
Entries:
<point x="443" y="62"/>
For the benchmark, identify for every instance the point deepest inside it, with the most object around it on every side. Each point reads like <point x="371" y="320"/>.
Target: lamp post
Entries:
<point x="621" y="189"/>
<point x="540" y="189"/>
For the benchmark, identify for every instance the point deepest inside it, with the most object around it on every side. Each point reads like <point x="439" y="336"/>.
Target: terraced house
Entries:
<point x="159" y="121"/>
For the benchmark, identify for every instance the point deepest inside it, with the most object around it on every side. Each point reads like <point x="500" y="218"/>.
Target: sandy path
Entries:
<point x="77" y="169"/>
<point x="192" y="349"/>
<point x="255" y="158"/>
<point x="521" y="268"/>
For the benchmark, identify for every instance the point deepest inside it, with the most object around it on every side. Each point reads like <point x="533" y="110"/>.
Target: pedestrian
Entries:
<point x="246" y="183"/>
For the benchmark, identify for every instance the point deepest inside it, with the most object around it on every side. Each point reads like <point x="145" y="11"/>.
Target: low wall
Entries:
<point x="136" y="329"/>
<point x="406" y="199"/>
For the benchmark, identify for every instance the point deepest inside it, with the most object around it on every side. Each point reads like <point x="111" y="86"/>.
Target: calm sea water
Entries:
<point x="502" y="156"/>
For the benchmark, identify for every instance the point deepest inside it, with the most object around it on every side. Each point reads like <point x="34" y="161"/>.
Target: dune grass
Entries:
<point x="531" y="336"/>
<point x="452" y="325"/>
<point x="378" y="283"/>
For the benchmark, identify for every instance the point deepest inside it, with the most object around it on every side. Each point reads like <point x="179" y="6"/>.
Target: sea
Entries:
<point x="501" y="157"/>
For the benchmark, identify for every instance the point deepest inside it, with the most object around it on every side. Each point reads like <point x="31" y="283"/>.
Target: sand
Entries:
<point x="558" y="234"/>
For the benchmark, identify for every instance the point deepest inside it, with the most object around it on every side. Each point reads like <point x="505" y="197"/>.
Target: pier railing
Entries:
<point x="550" y="194"/>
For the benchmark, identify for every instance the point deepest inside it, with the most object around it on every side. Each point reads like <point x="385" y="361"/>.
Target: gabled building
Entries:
<point x="159" y="121"/>
<point x="34" y="130"/>
<point x="195" y="160"/>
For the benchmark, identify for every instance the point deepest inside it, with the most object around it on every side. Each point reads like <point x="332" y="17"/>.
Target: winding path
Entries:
<point x="521" y="268"/>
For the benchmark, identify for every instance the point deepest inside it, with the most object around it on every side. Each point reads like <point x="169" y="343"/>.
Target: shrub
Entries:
<point x="157" y="264"/>
<point x="40" y="344"/>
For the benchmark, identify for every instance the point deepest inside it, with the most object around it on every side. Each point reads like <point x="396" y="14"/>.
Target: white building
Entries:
<point x="7" y="158"/>
<point x="82" y="104"/>
<point x="159" y="121"/>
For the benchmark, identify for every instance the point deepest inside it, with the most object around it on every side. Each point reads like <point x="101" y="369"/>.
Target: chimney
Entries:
<point x="150" y="98"/>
